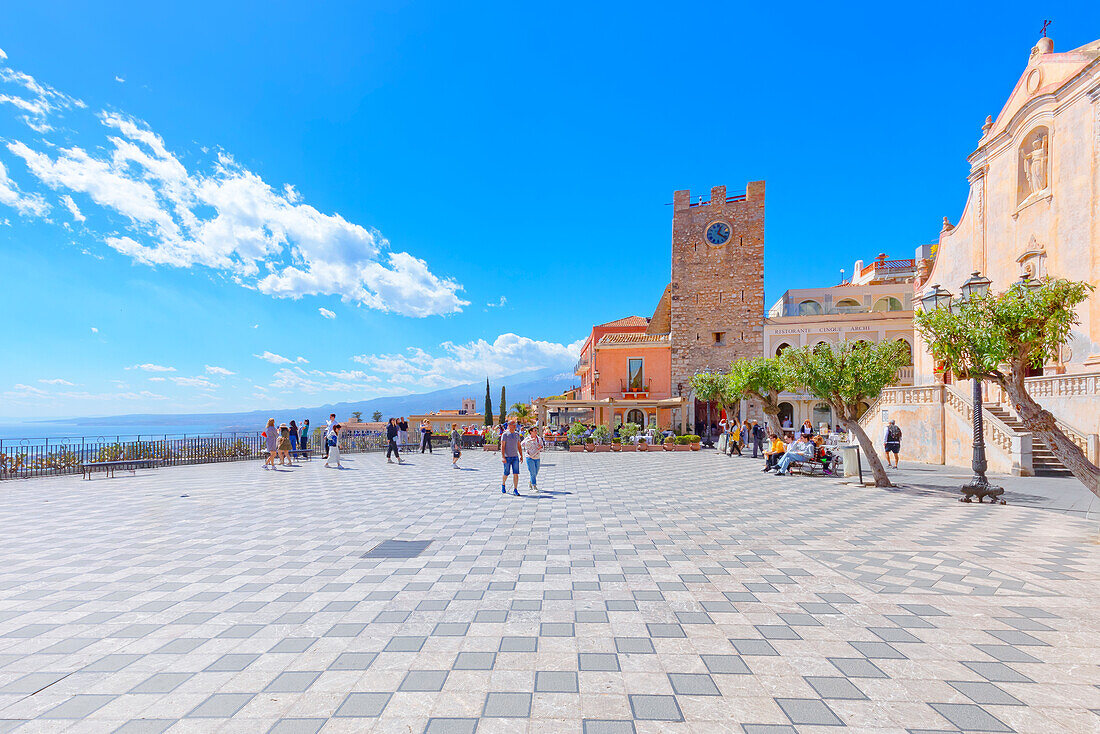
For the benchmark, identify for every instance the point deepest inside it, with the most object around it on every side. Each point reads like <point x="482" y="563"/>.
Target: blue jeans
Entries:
<point x="293" y="444"/>
<point x="511" y="464"/>
<point x="789" y="458"/>
<point x="533" y="470"/>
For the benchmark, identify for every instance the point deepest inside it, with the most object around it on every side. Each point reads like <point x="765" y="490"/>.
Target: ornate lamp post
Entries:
<point x="979" y="486"/>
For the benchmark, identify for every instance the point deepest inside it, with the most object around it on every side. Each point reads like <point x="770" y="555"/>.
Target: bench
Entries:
<point x="109" y="467"/>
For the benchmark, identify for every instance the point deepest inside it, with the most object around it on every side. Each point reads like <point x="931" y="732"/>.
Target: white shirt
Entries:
<point x="328" y="426"/>
<point x="532" y="446"/>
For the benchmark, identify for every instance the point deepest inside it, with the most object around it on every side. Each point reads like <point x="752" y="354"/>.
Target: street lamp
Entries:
<point x="977" y="286"/>
<point x="935" y="297"/>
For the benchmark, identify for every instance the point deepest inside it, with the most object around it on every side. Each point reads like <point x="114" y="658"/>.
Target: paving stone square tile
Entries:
<point x="647" y="707"/>
<point x="615" y="603"/>
<point x="507" y="705"/>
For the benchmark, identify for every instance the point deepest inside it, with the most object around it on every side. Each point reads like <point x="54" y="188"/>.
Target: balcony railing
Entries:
<point x="628" y="386"/>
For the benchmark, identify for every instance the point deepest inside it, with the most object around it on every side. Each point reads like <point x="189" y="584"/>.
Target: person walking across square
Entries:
<point x="456" y="445"/>
<point x="328" y="429"/>
<point x="333" y="443"/>
<point x="511" y="454"/>
<point x="532" y="446"/>
<point x="891" y="441"/>
<point x="392" y="433"/>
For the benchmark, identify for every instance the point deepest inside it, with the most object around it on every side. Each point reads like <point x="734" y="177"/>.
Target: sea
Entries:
<point x="36" y="433"/>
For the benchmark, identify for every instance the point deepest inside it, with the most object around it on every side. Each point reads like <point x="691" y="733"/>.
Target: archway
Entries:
<point x="822" y="413"/>
<point x="782" y="348"/>
<point x="886" y="303"/>
<point x="636" y="416"/>
<point x="786" y="415"/>
<point x="809" y="308"/>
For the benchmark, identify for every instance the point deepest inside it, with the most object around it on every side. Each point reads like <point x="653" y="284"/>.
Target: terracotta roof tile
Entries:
<point x="628" y="321"/>
<point x="633" y="339"/>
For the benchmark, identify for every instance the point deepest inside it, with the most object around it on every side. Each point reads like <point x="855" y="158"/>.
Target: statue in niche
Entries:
<point x="1035" y="164"/>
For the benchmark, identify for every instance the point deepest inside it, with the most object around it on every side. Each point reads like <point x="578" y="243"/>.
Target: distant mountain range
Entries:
<point x="518" y="388"/>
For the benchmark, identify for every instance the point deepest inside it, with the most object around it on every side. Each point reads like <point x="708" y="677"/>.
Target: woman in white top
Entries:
<point x="532" y="449"/>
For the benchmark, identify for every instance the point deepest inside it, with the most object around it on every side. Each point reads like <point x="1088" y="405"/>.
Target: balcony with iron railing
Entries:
<point x="634" y="388"/>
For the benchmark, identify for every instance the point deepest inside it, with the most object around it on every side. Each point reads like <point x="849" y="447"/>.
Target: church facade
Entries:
<point x="1033" y="210"/>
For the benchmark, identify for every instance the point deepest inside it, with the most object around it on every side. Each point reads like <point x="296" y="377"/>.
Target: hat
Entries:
<point x="282" y="425"/>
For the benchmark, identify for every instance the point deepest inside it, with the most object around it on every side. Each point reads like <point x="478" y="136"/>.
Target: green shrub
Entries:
<point x="601" y="433"/>
<point x="629" y="430"/>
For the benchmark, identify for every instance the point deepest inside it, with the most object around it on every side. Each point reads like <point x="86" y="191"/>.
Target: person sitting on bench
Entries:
<point x="801" y="450"/>
<point x="773" y="452"/>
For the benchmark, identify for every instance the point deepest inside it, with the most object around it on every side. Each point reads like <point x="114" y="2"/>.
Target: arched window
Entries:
<point x="821" y="346"/>
<point x="782" y="348"/>
<point x="887" y="303"/>
<point x="636" y="416"/>
<point x="786" y="415"/>
<point x="809" y="308"/>
<point x="908" y="352"/>
<point x="847" y="305"/>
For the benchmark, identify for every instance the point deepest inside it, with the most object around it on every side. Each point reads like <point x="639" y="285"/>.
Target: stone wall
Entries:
<point x="716" y="289"/>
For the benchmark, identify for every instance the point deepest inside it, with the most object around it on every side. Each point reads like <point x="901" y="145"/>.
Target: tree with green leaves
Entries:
<point x="503" y="408"/>
<point x="762" y="378"/>
<point x="488" y="405"/>
<point x="376" y="416"/>
<point x="845" y="375"/>
<point x="357" y="416"/>
<point x="998" y="337"/>
<point x="711" y="387"/>
<point x="522" y="412"/>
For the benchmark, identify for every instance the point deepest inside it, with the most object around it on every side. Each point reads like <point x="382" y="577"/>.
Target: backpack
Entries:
<point x="332" y="439"/>
<point x="893" y="434"/>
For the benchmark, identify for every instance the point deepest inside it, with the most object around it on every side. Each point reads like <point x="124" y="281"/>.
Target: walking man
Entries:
<point x="402" y="431"/>
<point x="328" y="431"/>
<point x="511" y="453"/>
<point x="757" y="439"/>
<point x="891" y="441"/>
<point x="392" y="432"/>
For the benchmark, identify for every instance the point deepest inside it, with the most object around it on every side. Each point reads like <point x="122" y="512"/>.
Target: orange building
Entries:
<point x="620" y="361"/>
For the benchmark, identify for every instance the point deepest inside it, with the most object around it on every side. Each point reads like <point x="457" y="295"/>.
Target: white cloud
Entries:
<point x="26" y="204"/>
<point x="25" y="394"/>
<point x="326" y="313"/>
<point x="193" y="382"/>
<point x="280" y="359"/>
<point x="95" y="330"/>
<point x="212" y="370"/>
<point x="56" y="381"/>
<point x="221" y="216"/>
<point x="37" y="101"/>
<point x="503" y="301"/>
<point x="255" y="326"/>
<point x="158" y="379"/>
<point x="119" y="79"/>
<point x="508" y="354"/>
<point x="73" y="208"/>
<point x="150" y="367"/>
<point x="297" y="380"/>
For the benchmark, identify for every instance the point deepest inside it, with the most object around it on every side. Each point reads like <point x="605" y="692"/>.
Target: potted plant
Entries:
<point x="643" y="445"/>
<point x="589" y="444"/>
<point x="616" y="443"/>
<point x="575" y="435"/>
<point x="693" y="442"/>
<point x="601" y="434"/>
<point x="670" y="443"/>
<point x="682" y="444"/>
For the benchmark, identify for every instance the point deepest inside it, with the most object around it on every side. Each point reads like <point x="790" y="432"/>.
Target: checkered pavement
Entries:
<point x="638" y="593"/>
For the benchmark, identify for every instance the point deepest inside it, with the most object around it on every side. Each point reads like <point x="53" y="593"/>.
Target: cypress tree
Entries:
<point x="503" y="407"/>
<point x="488" y="405"/>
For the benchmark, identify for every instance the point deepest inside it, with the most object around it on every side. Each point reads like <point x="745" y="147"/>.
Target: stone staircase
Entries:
<point x="1043" y="461"/>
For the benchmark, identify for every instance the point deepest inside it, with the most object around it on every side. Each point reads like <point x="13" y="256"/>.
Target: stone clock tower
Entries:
<point x="717" y="289"/>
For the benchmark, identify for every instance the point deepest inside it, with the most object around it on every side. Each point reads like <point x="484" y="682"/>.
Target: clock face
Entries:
<point x="718" y="233"/>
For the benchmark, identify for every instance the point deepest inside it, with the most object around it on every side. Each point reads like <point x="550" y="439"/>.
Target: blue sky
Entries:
<point x="222" y="206"/>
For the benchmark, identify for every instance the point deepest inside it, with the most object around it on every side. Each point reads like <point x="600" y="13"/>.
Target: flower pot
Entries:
<point x="590" y="447"/>
<point x="629" y="447"/>
<point x="602" y="448"/>
<point x="616" y="447"/>
<point x="575" y="448"/>
<point x="669" y="446"/>
<point x="681" y="447"/>
<point x="643" y="446"/>
<point x="694" y="446"/>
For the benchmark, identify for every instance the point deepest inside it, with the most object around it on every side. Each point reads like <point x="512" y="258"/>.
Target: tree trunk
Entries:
<point x="873" y="460"/>
<point x="1042" y="423"/>
<point x="771" y="410"/>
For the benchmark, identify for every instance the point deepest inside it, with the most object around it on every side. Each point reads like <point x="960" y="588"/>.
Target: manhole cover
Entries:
<point x="398" y="549"/>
